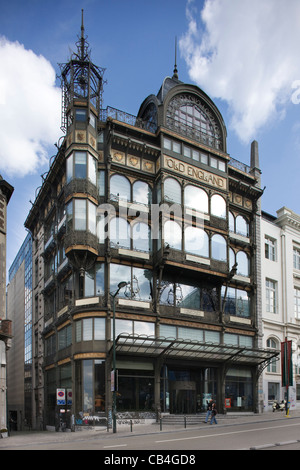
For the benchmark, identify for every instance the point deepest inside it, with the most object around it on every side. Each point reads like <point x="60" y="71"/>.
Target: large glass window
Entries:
<point x="239" y="389"/>
<point x="188" y="296"/>
<point x="81" y="165"/>
<point x="120" y="187"/>
<point x="218" y="206"/>
<point x="242" y="226"/>
<point x="173" y="235"/>
<point x="80" y="214"/>
<point x="90" y="391"/>
<point x="141" y="237"/>
<point x="119" y="232"/>
<point x="94" y="281"/>
<point x="196" y="241"/>
<point x="89" y="329"/>
<point x="242" y="264"/>
<point x="196" y="198"/>
<point x="237" y="302"/>
<point x="140" y="280"/>
<point x="141" y="192"/>
<point x="172" y="191"/>
<point x="218" y="248"/>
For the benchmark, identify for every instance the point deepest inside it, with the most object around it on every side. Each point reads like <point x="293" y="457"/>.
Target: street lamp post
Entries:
<point x="120" y="286"/>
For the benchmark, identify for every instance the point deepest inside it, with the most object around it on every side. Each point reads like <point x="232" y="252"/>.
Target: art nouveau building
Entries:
<point x="280" y="245"/>
<point x="149" y="215"/>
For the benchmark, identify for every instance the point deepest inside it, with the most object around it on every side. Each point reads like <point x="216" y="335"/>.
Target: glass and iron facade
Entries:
<point x="155" y="202"/>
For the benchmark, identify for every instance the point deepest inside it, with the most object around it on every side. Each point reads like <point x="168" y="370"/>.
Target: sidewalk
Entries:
<point x="19" y="438"/>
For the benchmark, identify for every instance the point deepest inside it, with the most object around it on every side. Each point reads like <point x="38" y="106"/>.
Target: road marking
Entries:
<point x="116" y="445"/>
<point x="225" y="434"/>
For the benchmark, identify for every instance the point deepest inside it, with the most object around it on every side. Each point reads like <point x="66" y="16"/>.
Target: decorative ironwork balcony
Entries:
<point x="122" y="116"/>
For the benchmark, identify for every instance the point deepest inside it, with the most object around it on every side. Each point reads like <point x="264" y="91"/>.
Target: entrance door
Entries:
<point x="183" y="397"/>
<point x="185" y="402"/>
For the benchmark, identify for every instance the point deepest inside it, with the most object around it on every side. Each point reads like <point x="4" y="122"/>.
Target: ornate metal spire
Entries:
<point x="175" y="71"/>
<point x="80" y="78"/>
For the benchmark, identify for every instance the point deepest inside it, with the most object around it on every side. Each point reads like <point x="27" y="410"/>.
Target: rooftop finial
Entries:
<point x="175" y="72"/>
<point x="82" y="39"/>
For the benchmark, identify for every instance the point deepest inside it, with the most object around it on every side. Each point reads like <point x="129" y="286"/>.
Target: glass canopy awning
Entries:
<point x="171" y="348"/>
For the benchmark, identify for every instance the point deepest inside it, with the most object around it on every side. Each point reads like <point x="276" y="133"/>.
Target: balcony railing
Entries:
<point x="127" y="119"/>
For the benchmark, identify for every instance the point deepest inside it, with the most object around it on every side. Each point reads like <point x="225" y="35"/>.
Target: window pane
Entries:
<point x="87" y="325"/>
<point x="119" y="273"/>
<point x="167" y="331"/>
<point x="80" y="115"/>
<point x="196" y="241"/>
<point x="99" y="278"/>
<point x="190" y="296"/>
<point x="172" y="190"/>
<point x="124" y="326"/>
<point x="172" y="234"/>
<point x="218" y="206"/>
<point x="141" y="192"/>
<point x="120" y="187"/>
<point x="241" y="226"/>
<point x="92" y="217"/>
<point x="99" y="329"/>
<point x="80" y="164"/>
<point x="141" y="237"/>
<point x="119" y="232"/>
<point x="144" y="328"/>
<point x="69" y="166"/>
<point x="89" y="283"/>
<point x="80" y="214"/>
<point x="92" y="169"/>
<point x="218" y="247"/>
<point x="144" y="280"/>
<point x="243" y="264"/>
<point x="196" y="198"/>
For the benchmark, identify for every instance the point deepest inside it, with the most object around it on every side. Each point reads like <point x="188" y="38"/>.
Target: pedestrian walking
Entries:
<point x="209" y="408"/>
<point x="213" y="414"/>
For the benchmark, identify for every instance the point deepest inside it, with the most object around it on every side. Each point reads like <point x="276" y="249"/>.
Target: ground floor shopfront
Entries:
<point x="154" y="378"/>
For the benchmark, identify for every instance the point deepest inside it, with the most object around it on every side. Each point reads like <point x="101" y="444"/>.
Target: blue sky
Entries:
<point x="242" y="53"/>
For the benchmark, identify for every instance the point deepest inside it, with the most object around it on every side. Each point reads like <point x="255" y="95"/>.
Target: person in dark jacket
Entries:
<point x="213" y="414"/>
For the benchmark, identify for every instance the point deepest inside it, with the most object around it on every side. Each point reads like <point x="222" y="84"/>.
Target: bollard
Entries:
<point x="185" y="422"/>
<point x="131" y="425"/>
<point x="160" y="424"/>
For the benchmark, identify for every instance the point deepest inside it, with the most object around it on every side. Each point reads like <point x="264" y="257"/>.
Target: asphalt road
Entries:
<point x="277" y="435"/>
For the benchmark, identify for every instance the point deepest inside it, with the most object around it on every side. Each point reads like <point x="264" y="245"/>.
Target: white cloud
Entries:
<point x="247" y="54"/>
<point x="29" y="109"/>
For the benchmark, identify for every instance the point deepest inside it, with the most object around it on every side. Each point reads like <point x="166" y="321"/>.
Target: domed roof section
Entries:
<point x="187" y="110"/>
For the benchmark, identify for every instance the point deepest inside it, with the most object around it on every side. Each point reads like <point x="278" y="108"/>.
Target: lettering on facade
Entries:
<point x="197" y="174"/>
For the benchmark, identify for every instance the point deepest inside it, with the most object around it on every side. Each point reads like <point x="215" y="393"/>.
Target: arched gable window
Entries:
<point x="189" y="116"/>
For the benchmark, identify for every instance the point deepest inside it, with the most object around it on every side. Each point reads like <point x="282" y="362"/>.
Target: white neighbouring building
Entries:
<point x="281" y="299"/>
